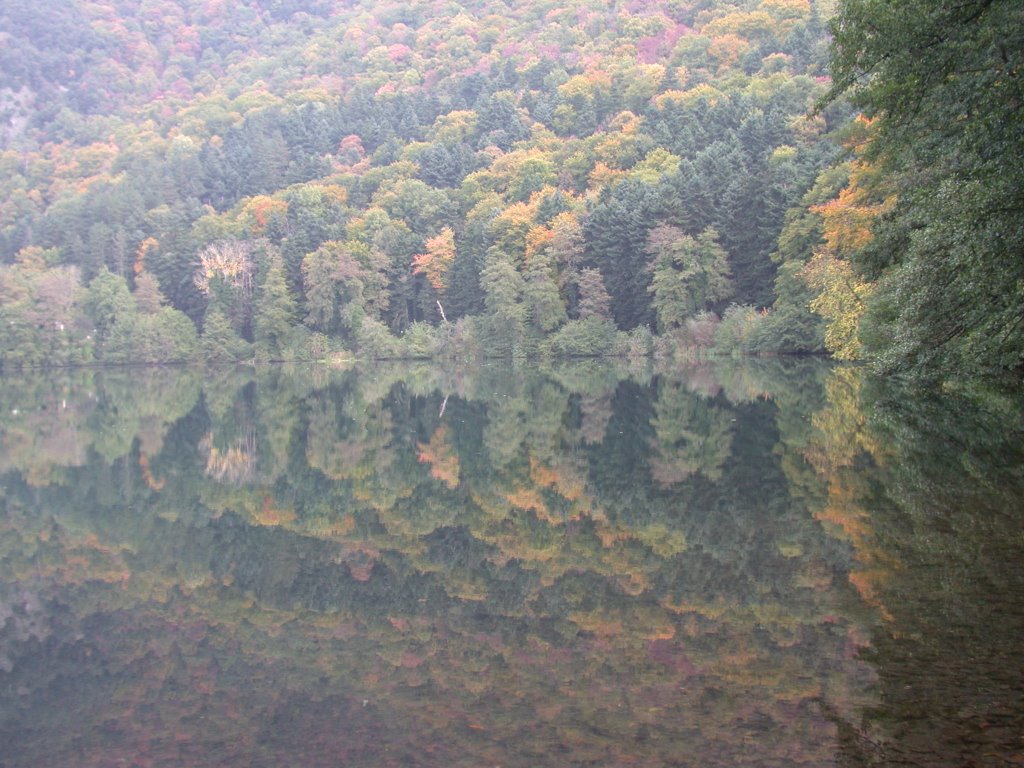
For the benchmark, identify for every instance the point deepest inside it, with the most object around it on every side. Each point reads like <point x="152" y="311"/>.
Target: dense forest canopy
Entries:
<point x="248" y="178"/>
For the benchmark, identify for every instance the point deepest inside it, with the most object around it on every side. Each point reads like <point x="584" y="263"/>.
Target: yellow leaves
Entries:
<point x="527" y="499"/>
<point x="847" y="220"/>
<point x="846" y="228"/>
<point x="234" y="464"/>
<point x="271" y="515"/>
<point x="689" y="97"/>
<point x="842" y="439"/>
<point x="727" y="50"/>
<point x="740" y="23"/>
<point x="537" y="239"/>
<point x="602" y="176"/>
<point x="787" y="9"/>
<point x="146" y="247"/>
<point x="584" y="88"/>
<point x="456" y="127"/>
<point x="663" y="541"/>
<point x="840" y="300"/>
<point x="658" y="163"/>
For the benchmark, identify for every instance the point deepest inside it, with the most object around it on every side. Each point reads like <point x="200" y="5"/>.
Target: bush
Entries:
<point x="165" y="337"/>
<point x="639" y="342"/>
<point x="590" y="337"/>
<point x="459" y="340"/>
<point x="701" y="329"/>
<point x="690" y="341"/>
<point x="374" y="340"/>
<point x="739" y="330"/>
<point x="220" y="343"/>
<point x="419" y="340"/>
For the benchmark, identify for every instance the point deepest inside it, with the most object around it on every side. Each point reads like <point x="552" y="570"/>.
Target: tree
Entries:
<point x="219" y="342"/>
<point x="40" y="315"/>
<point x="226" y="275"/>
<point x="566" y="243"/>
<point x="943" y="78"/>
<point x="594" y="300"/>
<point x="545" y="306"/>
<point x="275" y="311"/>
<point x="148" y="297"/>
<point x="505" y="311"/>
<point x="106" y="301"/>
<point x="437" y="259"/>
<point x="689" y="275"/>
<point x="840" y="298"/>
<point x="616" y="233"/>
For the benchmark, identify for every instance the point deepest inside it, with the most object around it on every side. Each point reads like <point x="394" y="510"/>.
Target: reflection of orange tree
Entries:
<point x="443" y="461"/>
<point x="842" y="438"/>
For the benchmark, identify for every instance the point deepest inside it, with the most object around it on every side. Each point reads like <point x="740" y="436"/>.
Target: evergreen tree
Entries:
<point x="275" y="312"/>
<point x="219" y="342"/>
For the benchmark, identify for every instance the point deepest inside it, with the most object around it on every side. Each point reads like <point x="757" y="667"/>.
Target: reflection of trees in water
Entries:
<point x="484" y="574"/>
<point x="439" y="454"/>
<point x="49" y="423"/>
<point x="692" y="435"/>
<point x="234" y="463"/>
<point x="927" y="489"/>
<point x="23" y="618"/>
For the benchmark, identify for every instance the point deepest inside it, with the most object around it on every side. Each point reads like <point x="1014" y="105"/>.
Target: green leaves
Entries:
<point x="689" y="274"/>
<point x="944" y="80"/>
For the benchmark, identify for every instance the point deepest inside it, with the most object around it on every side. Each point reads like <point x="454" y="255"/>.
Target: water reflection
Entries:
<point x="589" y="564"/>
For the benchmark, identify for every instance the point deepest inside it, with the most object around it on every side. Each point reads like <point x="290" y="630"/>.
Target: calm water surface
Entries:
<point x="769" y="564"/>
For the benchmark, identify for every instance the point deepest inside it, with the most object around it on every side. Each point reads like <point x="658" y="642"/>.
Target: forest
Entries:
<point x="260" y="180"/>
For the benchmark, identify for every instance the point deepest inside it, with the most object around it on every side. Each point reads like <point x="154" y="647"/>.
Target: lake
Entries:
<point x="764" y="563"/>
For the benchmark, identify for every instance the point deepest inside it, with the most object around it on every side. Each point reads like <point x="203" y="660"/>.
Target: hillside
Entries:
<point x="236" y="180"/>
<point x="304" y="178"/>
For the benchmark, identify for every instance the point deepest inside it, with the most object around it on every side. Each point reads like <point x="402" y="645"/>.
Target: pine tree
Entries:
<point x="275" y="312"/>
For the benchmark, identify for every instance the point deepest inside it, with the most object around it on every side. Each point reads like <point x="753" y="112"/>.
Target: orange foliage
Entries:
<point x="847" y="219"/>
<point x="146" y="247"/>
<point x="271" y="515"/>
<point x="611" y="536"/>
<point x="444" y="462"/>
<point x="262" y="209"/>
<point x="602" y="175"/>
<point x="867" y="584"/>
<point x="542" y="475"/>
<point x="562" y="478"/>
<point x="154" y="484"/>
<point x="527" y="498"/>
<point x="537" y="239"/>
<point x="438" y="258"/>
<point x="727" y="50"/>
